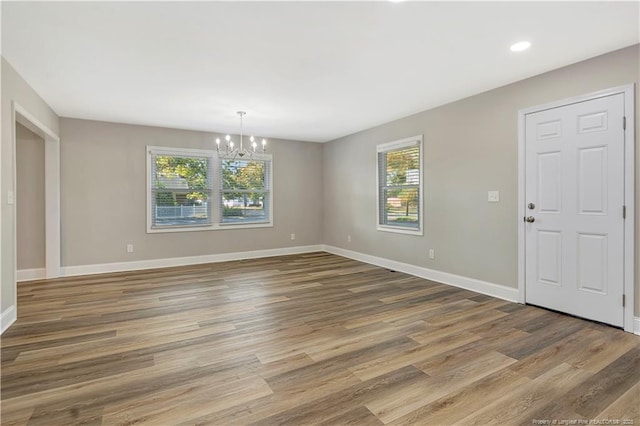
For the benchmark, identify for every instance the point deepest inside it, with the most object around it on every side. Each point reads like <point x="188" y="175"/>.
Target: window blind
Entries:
<point x="399" y="186"/>
<point x="181" y="186"/>
<point x="244" y="190"/>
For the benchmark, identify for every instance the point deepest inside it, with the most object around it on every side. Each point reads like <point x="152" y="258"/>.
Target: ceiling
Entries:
<point x="311" y="71"/>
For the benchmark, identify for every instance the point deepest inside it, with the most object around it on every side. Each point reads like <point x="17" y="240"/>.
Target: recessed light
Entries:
<point x="520" y="46"/>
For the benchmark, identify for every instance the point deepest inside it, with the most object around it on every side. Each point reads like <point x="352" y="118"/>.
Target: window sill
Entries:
<point x="218" y="227"/>
<point x="400" y="230"/>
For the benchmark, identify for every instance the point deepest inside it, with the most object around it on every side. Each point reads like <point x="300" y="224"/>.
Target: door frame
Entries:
<point x="21" y="115"/>
<point x="629" y="191"/>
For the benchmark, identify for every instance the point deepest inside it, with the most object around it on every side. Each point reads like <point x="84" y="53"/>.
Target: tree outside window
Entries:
<point x="195" y="189"/>
<point x="245" y="189"/>
<point x="181" y="190"/>
<point x="400" y="186"/>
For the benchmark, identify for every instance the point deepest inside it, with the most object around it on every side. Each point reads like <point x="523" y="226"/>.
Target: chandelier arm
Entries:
<point x="241" y="114"/>
<point x="233" y="152"/>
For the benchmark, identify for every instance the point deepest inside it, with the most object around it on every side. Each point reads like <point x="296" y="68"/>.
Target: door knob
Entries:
<point x="529" y="219"/>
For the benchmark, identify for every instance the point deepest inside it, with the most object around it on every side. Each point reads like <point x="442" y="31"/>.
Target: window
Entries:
<point x="180" y="191"/>
<point x="244" y="193"/>
<point x="400" y="186"/>
<point x="192" y="190"/>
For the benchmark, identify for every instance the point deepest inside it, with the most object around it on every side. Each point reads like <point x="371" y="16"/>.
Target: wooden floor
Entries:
<point x="300" y="340"/>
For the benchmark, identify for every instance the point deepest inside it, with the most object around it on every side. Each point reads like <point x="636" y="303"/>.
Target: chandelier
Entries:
<point x="231" y="150"/>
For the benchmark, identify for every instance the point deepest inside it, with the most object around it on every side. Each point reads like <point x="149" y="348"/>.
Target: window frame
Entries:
<point x="268" y="159"/>
<point x="395" y="146"/>
<point x="215" y="164"/>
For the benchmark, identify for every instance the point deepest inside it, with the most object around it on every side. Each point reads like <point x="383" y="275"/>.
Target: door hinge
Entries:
<point x="623" y="300"/>
<point x="624" y="212"/>
<point x="624" y="123"/>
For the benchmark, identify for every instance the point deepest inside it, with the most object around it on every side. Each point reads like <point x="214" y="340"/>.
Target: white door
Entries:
<point x="574" y="226"/>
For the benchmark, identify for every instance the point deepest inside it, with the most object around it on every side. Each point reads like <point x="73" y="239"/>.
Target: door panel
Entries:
<point x="595" y="122"/>
<point x="550" y="181"/>
<point x="549" y="257"/>
<point x="574" y="159"/>
<point x="592" y="180"/>
<point x="592" y="263"/>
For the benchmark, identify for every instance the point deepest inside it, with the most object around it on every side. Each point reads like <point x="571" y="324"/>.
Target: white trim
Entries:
<point x="52" y="188"/>
<point x="7" y="318"/>
<point x="52" y="203"/>
<point x="29" y="121"/>
<point x="21" y="115"/>
<point x="580" y="98"/>
<point x="177" y="152"/>
<point x="390" y="146"/>
<point x="2" y="195"/>
<point x="629" y="202"/>
<point x="400" y="143"/>
<point x="636" y="327"/>
<point x="68" y="271"/>
<point x="268" y="160"/>
<point x="629" y="192"/>
<point x="216" y="227"/>
<point x="214" y="171"/>
<point x="478" y="286"/>
<point x="31" y="274"/>
<point x="521" y="207"/>
<point x="183" y="152"/>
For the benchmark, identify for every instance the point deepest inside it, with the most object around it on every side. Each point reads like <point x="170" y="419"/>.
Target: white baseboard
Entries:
<point x="31" y="274"/>
<point x="7" y="318"/>
<point x="636" y="325"/>
<point x="490" y="289"/>
<point x="67" y="271"/>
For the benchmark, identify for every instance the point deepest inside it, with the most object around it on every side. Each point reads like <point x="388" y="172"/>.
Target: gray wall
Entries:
<point x="14" y="89"/>
<point x="471" y="146"/>
<point x="103" y="201"/>
<point x="30" y="198"/>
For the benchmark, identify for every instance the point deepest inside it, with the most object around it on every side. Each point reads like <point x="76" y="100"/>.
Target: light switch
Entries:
<point x="493" y="196"/>
<point x="10" y="199"/>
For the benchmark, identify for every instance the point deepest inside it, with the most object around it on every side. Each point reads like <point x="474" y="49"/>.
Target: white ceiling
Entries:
<point x="310" y="71"/>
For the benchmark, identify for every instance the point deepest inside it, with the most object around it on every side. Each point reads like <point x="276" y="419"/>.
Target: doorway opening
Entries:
<point x="30" y="205"/>
<point x="22" y="117"/>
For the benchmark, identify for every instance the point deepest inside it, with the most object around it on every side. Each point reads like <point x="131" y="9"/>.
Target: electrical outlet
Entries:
<point x="10" y="198"/>
<point x="493" y="196"/>
<point x="348" y="238"/>
<point x="129" y="248"/>
<point x="432" y="254"/>
<point x="293" y="237"/>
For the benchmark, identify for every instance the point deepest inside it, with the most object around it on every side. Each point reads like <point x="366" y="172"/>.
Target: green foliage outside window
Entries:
<point x="402" y="168"/>
<point x="180" y="173"/>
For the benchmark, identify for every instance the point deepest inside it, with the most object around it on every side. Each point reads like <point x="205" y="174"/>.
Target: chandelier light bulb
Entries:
<point x="227" y="138"/>
<point x="252" y="138"/>
<point x="231" y="144"/>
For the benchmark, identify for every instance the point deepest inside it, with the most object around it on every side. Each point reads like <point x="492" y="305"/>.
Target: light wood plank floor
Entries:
<point x="304" y="339"/>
